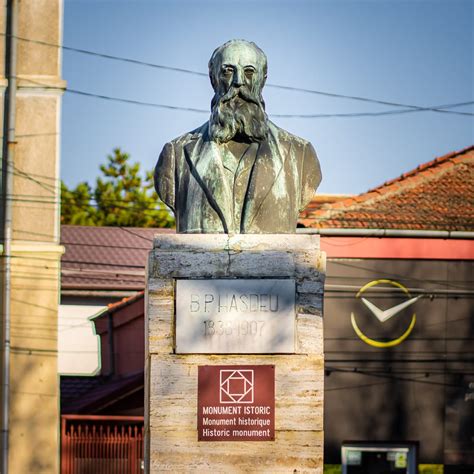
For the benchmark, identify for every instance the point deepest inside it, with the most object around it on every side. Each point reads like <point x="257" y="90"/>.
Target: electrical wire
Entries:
<point x="121" y="204"/>
<point x="202" y="74"/>
<point x="440" y="108"/>
<point x="436" y="108"/>
<point x="131" y="206"/>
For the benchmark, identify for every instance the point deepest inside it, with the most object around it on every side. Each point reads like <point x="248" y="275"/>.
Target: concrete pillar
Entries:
<point x="34" y="383"/>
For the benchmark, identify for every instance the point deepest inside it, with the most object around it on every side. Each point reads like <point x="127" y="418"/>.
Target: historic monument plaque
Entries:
<point x="245" y="316"/>
<point x="236" y="403"/>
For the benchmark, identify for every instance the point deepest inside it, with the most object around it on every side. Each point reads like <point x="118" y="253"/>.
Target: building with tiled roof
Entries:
<point x="438" y="195"/>
<point x="102" y="260"/>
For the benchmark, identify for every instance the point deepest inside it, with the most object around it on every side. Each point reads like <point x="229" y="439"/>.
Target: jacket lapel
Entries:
<point x="204" y="159"/>
<point x="265" y="178"/>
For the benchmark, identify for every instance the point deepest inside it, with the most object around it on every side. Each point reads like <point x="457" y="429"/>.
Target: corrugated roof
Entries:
<point x="105" y="258"/>
<point x="91" y="394"/>
<point x="438" y="195"/>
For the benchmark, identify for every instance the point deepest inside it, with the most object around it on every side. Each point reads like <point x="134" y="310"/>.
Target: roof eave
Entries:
<point x="426" y="234"/>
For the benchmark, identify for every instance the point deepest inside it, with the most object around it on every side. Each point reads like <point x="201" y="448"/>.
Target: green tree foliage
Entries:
<point x="75" y="205"/>
<point x="121" y="198"/>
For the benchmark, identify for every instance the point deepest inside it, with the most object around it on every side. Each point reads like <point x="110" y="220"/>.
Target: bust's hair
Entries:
<point x="261" y="70"/>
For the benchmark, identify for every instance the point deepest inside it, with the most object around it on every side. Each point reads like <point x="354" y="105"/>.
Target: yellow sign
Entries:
<point x="400" y="460"/>
<point x="385" y="315"/>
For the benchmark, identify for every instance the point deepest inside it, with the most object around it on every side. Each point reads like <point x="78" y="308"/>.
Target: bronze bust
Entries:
<point x="239" y="172"/>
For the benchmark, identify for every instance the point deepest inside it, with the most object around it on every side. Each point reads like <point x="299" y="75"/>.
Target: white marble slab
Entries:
<point x="235" y="316"/>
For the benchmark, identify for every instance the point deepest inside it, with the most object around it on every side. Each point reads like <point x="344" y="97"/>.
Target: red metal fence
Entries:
<point x="101" y="444"/>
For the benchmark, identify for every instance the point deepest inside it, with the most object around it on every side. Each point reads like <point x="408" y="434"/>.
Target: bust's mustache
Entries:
<point x="238" y="112"/>
<point x="233" y="92"/>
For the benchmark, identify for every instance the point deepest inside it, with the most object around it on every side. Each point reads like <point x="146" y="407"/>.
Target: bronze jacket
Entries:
<point x="189" y="178"/>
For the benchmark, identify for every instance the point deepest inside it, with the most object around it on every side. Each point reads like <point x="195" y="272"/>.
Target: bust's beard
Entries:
<point x="237" y="113"/>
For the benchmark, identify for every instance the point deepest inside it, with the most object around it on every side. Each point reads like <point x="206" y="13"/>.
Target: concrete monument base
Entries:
<point x="253" y="300"/>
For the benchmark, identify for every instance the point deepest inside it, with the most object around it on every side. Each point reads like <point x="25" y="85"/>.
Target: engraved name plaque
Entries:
<point x="235" y="316"/>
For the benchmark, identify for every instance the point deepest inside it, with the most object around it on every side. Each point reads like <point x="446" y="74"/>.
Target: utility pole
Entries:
<point x="8" y="164"/>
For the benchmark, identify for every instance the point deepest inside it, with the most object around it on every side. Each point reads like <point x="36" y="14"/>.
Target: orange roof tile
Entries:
<point x="437" y="195"/>
<point x="320" y="200"/>
<point x="113" y="307"/>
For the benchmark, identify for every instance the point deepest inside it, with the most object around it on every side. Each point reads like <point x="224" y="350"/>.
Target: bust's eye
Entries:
<point x="227" y="70"/>
<point x="249" y="72"/>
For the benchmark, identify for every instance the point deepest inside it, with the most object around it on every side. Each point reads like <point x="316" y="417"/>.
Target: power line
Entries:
<point x="136" y="102"/>
<point x="46" y="186"/>
<point x="372" y="357"/>
<point x="405" y="369"/>
<point x="356" y="370"/>
<point x="386" y="274"/>
<point x="365" y="99"/>
<point x="112" y="57"/>
<point x="132" y="206"/>
<point x="120" y="204"/>
<point x="121" y="266"/>
<point x="413" y="109"/>
<point x="135" y="234"/>
<point x="123" y="204"/>
<point x="201" y="74"/>
<point x="36" y="175"/>
<point x="108" y="205"/>
<point x="436" y="108"/>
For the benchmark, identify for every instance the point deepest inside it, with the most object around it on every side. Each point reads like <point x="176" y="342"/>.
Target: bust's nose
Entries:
<point x="238" y="78"/>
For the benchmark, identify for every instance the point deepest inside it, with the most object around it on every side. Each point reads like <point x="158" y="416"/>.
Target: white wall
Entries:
<point x="78" y="346"/>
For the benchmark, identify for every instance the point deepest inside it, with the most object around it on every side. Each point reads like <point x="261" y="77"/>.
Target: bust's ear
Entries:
<point x="262" y="79"/>
<point x="213" y="81"/>
<point x="210" y="68"/>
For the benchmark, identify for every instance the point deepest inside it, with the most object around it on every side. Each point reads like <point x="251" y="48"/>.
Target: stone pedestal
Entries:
<point x="172" y="378"/>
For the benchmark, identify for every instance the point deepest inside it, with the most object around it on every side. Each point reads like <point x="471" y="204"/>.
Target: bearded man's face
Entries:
<point x="238" y="109"/>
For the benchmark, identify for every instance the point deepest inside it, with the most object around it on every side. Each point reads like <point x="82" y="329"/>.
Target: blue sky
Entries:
<point x="417" y="52"/>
